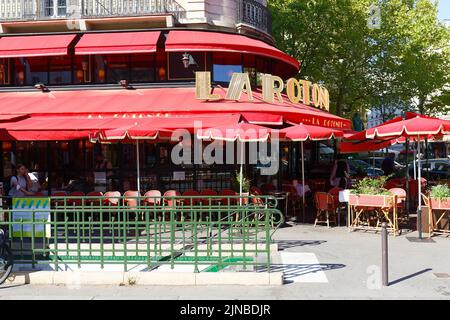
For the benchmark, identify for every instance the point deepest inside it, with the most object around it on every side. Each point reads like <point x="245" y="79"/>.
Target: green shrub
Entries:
<point x="440" y="191"/>
<point x="236" y="183"/>
<point x="371" y="186"/>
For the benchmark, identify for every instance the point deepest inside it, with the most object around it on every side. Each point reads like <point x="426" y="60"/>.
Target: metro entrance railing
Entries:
<point x="207" y="233"/>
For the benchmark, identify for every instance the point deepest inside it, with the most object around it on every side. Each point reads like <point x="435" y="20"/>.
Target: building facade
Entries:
<point x="68" y="67"/>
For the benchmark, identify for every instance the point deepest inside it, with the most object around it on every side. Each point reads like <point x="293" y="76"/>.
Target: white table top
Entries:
<point x="344" y="195"/>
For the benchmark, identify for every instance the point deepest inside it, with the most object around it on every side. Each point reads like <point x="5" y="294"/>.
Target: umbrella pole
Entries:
<point x="241" y="175"/>
<point x="419" y="208"/>
<point x="138" y="169"/>
<point x="303" y="183"/>
<point x="407" y="177"/>
<point x="414" y="163"/>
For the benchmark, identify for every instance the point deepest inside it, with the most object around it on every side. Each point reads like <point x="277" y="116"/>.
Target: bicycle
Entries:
<point x="6" y="256"/>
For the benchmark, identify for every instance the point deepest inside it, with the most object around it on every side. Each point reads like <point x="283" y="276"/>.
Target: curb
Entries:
<point x="69" y="278"/>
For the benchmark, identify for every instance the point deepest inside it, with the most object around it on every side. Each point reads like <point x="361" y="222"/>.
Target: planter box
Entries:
<point x="440" y="204"/>
<point x="366" y="200"/>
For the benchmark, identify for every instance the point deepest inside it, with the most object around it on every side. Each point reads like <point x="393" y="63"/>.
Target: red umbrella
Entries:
<point x="242" y="132"/>
<point x="417" y="126"/>
<point x="303" y="133"/>
<point x="413" y="126"/>
<point x="134" y="132"/>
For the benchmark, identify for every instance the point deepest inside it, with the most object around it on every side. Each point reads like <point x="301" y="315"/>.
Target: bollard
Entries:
<point x="384" y="254"/>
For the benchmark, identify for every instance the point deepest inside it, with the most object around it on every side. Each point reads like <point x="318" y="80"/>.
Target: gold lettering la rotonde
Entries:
<point x="297" y="91"/>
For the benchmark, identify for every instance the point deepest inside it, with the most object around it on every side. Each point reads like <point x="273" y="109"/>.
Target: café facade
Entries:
<point x="58" y="89"/>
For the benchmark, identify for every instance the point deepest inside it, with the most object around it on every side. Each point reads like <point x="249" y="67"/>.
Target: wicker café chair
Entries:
<point x="326" y="208"/>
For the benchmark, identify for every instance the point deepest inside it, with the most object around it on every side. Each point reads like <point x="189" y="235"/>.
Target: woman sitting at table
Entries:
<point x="340" y="173"/>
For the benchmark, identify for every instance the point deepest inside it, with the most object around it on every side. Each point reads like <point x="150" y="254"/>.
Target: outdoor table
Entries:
<point x="344" y="195"/>
<point x="343" y="198"/>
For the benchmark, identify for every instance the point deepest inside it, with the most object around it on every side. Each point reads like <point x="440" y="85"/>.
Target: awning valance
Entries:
<point x="117" y="42"/>
<point x="185" y="40"/>
<point x="35" y="46"/>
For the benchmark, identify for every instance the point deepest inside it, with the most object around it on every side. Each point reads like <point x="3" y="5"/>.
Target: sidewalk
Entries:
<point x="318" y="263"/>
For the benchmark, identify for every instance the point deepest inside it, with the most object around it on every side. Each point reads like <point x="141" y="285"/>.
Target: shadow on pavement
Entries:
<point x="410" y="276"/>
<point x="294" y="270"/>
<point x="287" y="244"/>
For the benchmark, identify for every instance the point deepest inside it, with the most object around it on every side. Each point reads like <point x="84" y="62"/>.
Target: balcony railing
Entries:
<point x="25" y="10"/>
<point x="255" y="14"/>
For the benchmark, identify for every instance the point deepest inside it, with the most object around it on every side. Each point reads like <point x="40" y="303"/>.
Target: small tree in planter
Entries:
<point x="236" y="183"/>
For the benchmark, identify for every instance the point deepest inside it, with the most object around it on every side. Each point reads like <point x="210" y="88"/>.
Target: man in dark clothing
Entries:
<point x="388" y="165"/>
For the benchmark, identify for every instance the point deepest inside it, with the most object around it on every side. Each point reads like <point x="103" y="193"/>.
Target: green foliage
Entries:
<point x="236" y="183"/>
<point x="441" y="191"/>
<point x="405" y="63"/>
<point x="371" y="186"/>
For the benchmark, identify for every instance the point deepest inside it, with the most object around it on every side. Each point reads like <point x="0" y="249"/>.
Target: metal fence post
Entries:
<point x="384" y="254"/>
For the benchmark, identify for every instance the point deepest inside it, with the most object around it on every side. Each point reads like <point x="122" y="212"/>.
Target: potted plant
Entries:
<point x="370" y="192"/>
<point x="236" y="183"/>
<point x="440" y="197"/>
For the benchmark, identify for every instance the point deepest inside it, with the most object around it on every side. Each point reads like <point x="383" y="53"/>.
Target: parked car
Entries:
<point x="358" y="167"/>
<point x="433" y="169"/>
<point x="378" y="161"/>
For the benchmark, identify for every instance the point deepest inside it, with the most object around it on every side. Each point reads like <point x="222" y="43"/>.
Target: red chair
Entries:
<point x="208" y="193"/>
<point x="335" y="191"/>
<point x="75" y="198"/>
<point x="96" y="199"/>
<point x="131" y="200"/>
<point x="152" y="197"/>
<point x="171" y="203"/>
<point x="39" y="194"/>
<point x="58" y="202"/>
<point x="111" y="198"/>
<point x="188" y="200"/>
<point x="229" y="197"/>
<point x="325" y="205"/>
<point x="256" y="191"/>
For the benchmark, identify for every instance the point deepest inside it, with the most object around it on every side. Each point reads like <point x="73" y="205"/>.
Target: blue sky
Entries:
<point x="444" y="9"/>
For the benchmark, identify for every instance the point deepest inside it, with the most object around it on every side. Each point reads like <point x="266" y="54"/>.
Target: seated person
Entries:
<point x="299" y="188"/>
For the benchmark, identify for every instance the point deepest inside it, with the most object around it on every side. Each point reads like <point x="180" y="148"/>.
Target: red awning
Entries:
<point x="184" y="40"/>
<point x="12" y="117"/>
<point x="72" y="127"/>
<point x="158" y="103"/>
<point x="268" y="119"/>
<point x="118" y="42"/>
<point x="35" y="46"/>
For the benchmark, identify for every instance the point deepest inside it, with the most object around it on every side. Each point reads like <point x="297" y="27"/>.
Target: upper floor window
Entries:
<point x="55" y="8"/>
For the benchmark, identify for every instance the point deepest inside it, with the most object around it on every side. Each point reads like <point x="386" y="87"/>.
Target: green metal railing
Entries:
<point x="208" y="233"/>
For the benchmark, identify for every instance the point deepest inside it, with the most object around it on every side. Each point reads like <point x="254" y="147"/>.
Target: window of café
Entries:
<point x="113" y="68"/>
<point x="182" y="66"/>
<point x="60" y="70"/>
<point x="29" y="71"/>
<point x="5" y="72"/>
<point x="82" y="69"/>
<point x="117" y="68"/>
<point x="142" y="68"/>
